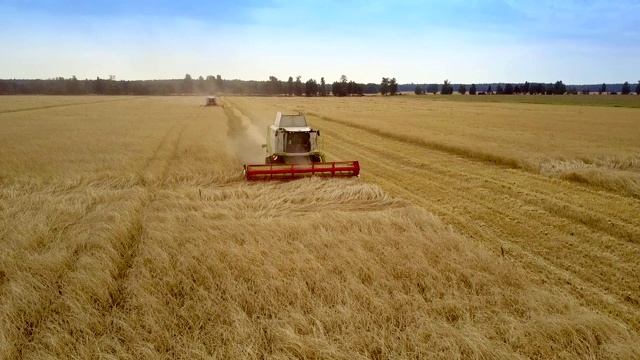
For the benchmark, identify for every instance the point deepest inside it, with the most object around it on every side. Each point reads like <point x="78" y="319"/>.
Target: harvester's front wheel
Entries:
<point x="274" y="160"/>
<point x="319" y="157"/>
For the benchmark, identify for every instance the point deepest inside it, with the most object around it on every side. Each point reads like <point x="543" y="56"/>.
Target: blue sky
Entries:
<point x="421" y="41"/>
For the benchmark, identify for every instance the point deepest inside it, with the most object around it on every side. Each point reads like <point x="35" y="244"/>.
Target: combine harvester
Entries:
<point x="211" y="101"/>
<point x="293" y="152"/>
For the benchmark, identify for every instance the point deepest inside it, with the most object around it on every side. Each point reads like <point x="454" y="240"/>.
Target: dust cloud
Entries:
<point x="245" y="138"/>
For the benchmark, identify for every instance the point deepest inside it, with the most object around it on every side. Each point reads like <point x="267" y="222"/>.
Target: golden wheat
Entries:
<point x="576" y="238"/>
<point x="566" y="141"/>
<point x="128" y="231"/>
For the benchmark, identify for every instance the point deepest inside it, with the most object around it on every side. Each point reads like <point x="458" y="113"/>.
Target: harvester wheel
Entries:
<point x="274" y="160"/>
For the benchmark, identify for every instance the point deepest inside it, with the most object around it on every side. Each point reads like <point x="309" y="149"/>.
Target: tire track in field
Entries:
<point x="145" y="177"/>
<point x="153" y="175"/>
<point x="554" y="228"/>
<point x="165" y="154"/>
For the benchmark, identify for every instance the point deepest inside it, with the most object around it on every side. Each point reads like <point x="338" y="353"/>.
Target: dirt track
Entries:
<point x="573" y="238"/>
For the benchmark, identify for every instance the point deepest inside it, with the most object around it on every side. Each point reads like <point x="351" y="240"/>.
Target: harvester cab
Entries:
<point x="293" y="151"/>
<point x="291" y="140"/>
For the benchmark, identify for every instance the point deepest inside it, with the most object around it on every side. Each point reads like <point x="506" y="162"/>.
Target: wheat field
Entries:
<point x="128" y="231"/>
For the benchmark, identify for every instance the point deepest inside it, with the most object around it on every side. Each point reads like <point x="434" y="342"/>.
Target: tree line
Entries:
<point x="341" y="87"/>
<point x="557" y="88"/>
<point x="111" y="86"/>
<point x="311" y="87"/>
<point x="211" y="85"/>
